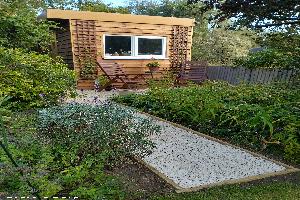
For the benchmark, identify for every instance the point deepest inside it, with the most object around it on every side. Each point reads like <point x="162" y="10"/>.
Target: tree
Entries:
<point x="99" y="6"/>
<point x="19" y="27"/>
<point x="257" y="13"/>
<point x="174" y="8"/>
<point x="168" y="8"/>
<point x="222" y="46"/>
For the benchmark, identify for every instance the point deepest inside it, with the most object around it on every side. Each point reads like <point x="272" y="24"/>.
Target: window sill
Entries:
<point x="133" y="58"/>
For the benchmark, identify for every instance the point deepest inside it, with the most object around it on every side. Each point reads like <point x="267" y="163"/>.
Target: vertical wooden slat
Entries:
<point x="229" y="75"/>
<point x="260" y="76"/>
<point x="222" y="74"/>
<point x="289" y="75"/>
<point x="256" y="76"/>
<point x="275" y="75"/>
<point x="242" y="75"/>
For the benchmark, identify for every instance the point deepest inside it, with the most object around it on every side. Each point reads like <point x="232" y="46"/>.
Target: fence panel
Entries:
<point x="240" y="74"/>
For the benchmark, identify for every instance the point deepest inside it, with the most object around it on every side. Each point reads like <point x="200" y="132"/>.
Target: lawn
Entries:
<point x="280" y="191"/>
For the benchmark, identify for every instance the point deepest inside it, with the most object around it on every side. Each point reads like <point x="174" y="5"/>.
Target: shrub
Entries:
<point x="271" y="58"/>
<point x="254" y="116"/>
<point x="91" y="129"/>
<point x="68" y="150"/>
<point x="20" y="27"/>
<point x="221" y="46"/>
<point x="33" y="80"/>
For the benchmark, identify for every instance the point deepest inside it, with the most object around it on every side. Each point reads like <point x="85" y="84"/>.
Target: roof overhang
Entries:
<point x="115" y="17"/>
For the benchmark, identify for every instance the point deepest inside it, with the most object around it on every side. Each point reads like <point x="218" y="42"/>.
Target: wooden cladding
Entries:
<point x="115" y="17"/>
<point x="84" y="36"/>
<point x="181" y="50"/>
<point x="89" y="34"/>
<point x="63" y="44"/>
<point x="84" y="41"/>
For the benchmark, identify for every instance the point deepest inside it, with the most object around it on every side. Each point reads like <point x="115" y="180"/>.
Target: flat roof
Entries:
<point x="116" y="17"/>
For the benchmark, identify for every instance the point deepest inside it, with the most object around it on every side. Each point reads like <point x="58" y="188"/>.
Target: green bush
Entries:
<point x="69" y="150"/>
<point x="272" y="59"/>
<point x="33" y="80"/>
<point x="96" y="129"/>
<point x="221" y="46"/>
<point x="20" y="27"/>
<point x="254" y="116"/>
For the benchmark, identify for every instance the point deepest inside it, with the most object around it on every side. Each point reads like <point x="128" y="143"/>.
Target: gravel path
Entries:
<point x="191" y="160"/>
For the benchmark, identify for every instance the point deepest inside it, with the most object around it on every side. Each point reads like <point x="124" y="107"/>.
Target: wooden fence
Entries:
<point x="240" y="74"/>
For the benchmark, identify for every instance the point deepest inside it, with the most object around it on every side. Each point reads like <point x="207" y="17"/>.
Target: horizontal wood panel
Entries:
<point x="133" y="26"/>
<point x="135" y="31"/>
<point x="115" y="17"/>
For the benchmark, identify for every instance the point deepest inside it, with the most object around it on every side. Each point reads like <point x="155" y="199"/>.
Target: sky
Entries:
<point x="116" y="2"/>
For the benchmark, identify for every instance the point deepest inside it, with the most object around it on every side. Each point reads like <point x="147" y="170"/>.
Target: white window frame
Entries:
<point x="134" y="48"/>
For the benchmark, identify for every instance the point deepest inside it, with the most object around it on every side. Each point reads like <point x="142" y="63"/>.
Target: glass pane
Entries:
<point x="150" y="46"/>
<point x="118" y="46"/>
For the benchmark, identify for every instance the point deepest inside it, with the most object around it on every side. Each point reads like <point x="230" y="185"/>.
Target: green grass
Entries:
<point x="274" y="191"/>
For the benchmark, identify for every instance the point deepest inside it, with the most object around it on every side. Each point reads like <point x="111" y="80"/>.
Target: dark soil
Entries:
<point x="141" y="183"/>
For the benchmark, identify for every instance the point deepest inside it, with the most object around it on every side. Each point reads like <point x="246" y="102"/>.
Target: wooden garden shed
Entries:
<point x="131" y="40"/>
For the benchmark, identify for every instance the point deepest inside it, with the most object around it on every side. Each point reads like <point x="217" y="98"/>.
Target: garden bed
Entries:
<point x="190" y="161"/>
<point x="256" y="117"/>
<point x="130" y="180"/>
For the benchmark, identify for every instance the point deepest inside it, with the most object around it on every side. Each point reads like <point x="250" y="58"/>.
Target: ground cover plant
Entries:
<point x="70" y="150"/>
<point x="260" y="117"/>
<point x="287" y="191"/>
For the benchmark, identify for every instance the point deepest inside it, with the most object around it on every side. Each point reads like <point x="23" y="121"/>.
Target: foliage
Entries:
<point x="88" y="69"/>
<point x="221" y="46"/>
<point x="99" y="6"/>
<point x="271" y="58"/>
<point x="282" y="41"/>
<point x="21" y="29"/>
<point x="87" y="126"/>
<point x="274" y="191"/>
<point x="218" y="46"/>
<point x="69" y="150"/>
<point x="258" y="14"/>
<point x="166" y="81"/>
<point x="102" y="80"/>
<point x="153" y="64"/>
<point x="33" y="80"/>
<point x="165" y="8"/>
<point x="174" y="8"/>
<point x="254" y="116"/>
<point x="83" y="5"/>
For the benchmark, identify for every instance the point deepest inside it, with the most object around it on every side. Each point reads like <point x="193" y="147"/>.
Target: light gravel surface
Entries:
<point x="191" y="160"/>
<point x="96" y="98"/>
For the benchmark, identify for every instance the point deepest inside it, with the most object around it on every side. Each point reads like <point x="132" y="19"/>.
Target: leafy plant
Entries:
<point x="20" y="27"/>
<point x="153" y="64"/>
<point x="272" y="59"/>
<point x="33" y="80"/>
<point x="70" y="150"/>
<point x="102" y="80"/>
<point x="87" y="126"/>
<point x="254" y="116"/>
<point x="166" y="81"/>
<point x="220" y="46"/>
<point x="88" y="69"/>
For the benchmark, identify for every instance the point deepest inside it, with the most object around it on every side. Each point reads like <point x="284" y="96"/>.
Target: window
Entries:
<point x="118" y="45"/>
<point x="148" y="46"/>
<point x="134" y="47"/>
